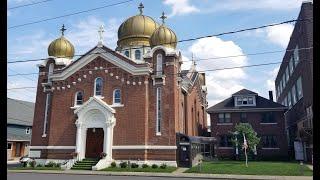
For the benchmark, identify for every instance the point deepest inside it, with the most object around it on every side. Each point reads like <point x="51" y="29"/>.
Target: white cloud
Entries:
<point x="84" y="34"/>
<point x="272" y="77"/>
<point x="280" y="34"/>
<point x="180" y="7"/>
<point x="221" y="84"/>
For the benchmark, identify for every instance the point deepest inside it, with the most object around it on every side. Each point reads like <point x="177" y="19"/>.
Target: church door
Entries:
<point x="94" y="142"/>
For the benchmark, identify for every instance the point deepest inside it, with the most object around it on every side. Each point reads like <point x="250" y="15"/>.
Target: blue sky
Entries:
<point x="188" y="18"/>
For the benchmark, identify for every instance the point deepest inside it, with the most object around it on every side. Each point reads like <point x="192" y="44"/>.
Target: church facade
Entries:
<point x="127" y="103"/>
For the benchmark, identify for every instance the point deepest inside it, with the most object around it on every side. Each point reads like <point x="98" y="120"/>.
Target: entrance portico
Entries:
<point x="95" y="113"/>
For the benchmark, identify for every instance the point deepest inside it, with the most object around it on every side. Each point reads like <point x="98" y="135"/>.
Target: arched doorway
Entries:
<point x="94" y="142"/>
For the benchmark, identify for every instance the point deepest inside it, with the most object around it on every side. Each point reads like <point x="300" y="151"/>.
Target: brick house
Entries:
<point x="19" y="127"/>
<point x="265" y="116"/>
<point x="128" y="103"/>
<point x="294" y="83"/>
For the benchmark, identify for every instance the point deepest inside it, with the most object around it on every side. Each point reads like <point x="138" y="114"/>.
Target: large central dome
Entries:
<point x="136" y="31"/>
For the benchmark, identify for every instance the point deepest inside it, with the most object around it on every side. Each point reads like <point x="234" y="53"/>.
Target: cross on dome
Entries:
<point x="163" y="17"/>
<point x="141" y="8"/>
<point x="62" y="30"/>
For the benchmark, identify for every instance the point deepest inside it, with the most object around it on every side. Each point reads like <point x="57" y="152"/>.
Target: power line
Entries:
<point x="30" y="4"/>
<point x="208" y="70"/>
<point x="71" y="14"/>
<point x="204" y="59"/>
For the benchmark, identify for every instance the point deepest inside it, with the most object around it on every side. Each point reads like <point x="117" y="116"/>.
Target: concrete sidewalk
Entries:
<point x="169" y="175"/>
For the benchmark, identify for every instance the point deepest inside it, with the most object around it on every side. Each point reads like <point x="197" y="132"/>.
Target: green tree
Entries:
<point x="251" y="137"/>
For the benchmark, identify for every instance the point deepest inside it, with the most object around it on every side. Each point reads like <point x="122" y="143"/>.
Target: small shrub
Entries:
<point x="163" y="166"/>
<point x="154" y="166"/>
<point x="32" y="163"/>
<point x="39" y="165"/>
<point x="113" y="164"/>
<point x="145" y="165"/>
<point x="123" y="164"/>
<point x="134" y="165"/>
<point x="50" y="164"/>
<point x="57" y="165"/>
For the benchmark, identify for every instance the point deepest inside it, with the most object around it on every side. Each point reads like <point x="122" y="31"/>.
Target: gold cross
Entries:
<point x="140" y="7"/>
<point x="163" y="17"/>
<point x="62" y="29"/>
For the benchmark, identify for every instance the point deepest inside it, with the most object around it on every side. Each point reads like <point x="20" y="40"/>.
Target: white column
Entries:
<point x="105" y="140"/>
<point x="83" y="142"/>
<point x="78" y="140"/>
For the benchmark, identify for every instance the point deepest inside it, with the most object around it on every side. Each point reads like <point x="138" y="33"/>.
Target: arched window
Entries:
<point x="50" y="72"/>
<point x="159" y="64"/>
<point x="79" y="98"/>
<point x="126" y="53"/>
<point x="116" y="96"/>
<point x="137" y="54"/>
<point x="98" y="86"/>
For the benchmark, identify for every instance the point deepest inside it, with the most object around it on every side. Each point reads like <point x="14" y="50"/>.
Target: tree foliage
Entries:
<point x="250" y="134"/>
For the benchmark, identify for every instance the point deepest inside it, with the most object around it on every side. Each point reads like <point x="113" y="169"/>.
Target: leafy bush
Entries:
<point x="123" y="164"/>
<point x="32" y="163"/>
<point x="57" y="165"/>
<point x="145" y="165"/>
<point x="154" y="166"/>
<point x="134" y="165"/>
<point x="163" y="166"/>
<point x="113" y="164"/>
<point x="39" y="165"/>
<point x="50" y="164"/>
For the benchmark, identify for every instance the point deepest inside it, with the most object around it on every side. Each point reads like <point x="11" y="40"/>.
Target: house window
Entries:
<point x="294" y="95"/>
<point x="225" y="141"/>
<point x="269" y="141"/>
<point x="116" y="96"/>
<point x="9" y="145"/>
<point x="287" y="74"/>
<point x="126" y="53"/>
<point x="137" y="54"/>
<point x="239" y="100"/>
<point x="27" y="130"/>
<point x="296" y="55"/>
<point x="284" y="80"/>
<point x="291" y="65"/>
<point x="98" y="87"/>
<point x="250" y="100"/>
<point x="243" y="117"/>
<point x="299" y="88"/>
<point x="158" y="112"/>
<point x="244" y="100"/>
<point x="159" y="64"/>
<point x="79" y="98"/>
<point x="224" y="118"/>
<point x="268" y="117"/>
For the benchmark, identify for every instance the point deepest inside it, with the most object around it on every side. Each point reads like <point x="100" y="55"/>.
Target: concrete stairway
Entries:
<point x="85" y="164"/>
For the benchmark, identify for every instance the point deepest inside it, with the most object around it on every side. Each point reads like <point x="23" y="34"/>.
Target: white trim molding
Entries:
<point x="144" y="147"/>
<point x="52" y="147"/>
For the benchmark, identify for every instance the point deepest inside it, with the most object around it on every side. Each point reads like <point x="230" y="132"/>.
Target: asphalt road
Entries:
<point x="36" y="176"/>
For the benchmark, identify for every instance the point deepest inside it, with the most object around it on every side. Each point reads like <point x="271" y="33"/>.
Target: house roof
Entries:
<point x="261" y="103"/>
<point x="19" y="112"/>
<point x="244" y="92"/>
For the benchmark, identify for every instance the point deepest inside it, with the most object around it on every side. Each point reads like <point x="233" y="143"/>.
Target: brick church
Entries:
<point x="128" y="103"/>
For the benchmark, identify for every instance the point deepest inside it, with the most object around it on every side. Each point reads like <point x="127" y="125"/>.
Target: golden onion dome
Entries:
<point x="136" y="30"/>
<point x="61" y="47"/>
<point x="163" y="36"/>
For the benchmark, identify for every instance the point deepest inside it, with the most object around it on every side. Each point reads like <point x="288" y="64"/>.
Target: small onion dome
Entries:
<point x="61" y="47"/>
<point x="163" y="36"/>
<point x="136" y="30"/>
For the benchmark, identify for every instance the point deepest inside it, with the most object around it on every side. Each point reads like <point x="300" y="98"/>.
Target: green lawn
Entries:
<point x="148" y="169"/>
<point x="255" y="168"/>
<point x="36" y="168"/>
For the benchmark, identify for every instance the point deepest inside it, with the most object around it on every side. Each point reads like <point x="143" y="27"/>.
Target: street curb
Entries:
<point x="168" y="175"/>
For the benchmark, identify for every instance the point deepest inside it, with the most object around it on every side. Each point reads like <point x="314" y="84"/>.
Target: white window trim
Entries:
<point x="236" y="101"/>
<point x="268" y="123"/>
<point x="113" y="99"/>
<point x="28" y="130"/>
<point x="135" y="57"/>
<point x="158" y="123"/>
<point x="94" y="90"/>
<point x="75" y="99"/>
<point x="159" y="65"/>
<point x="223" y="124"/>
<point x="44" y="133"/>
